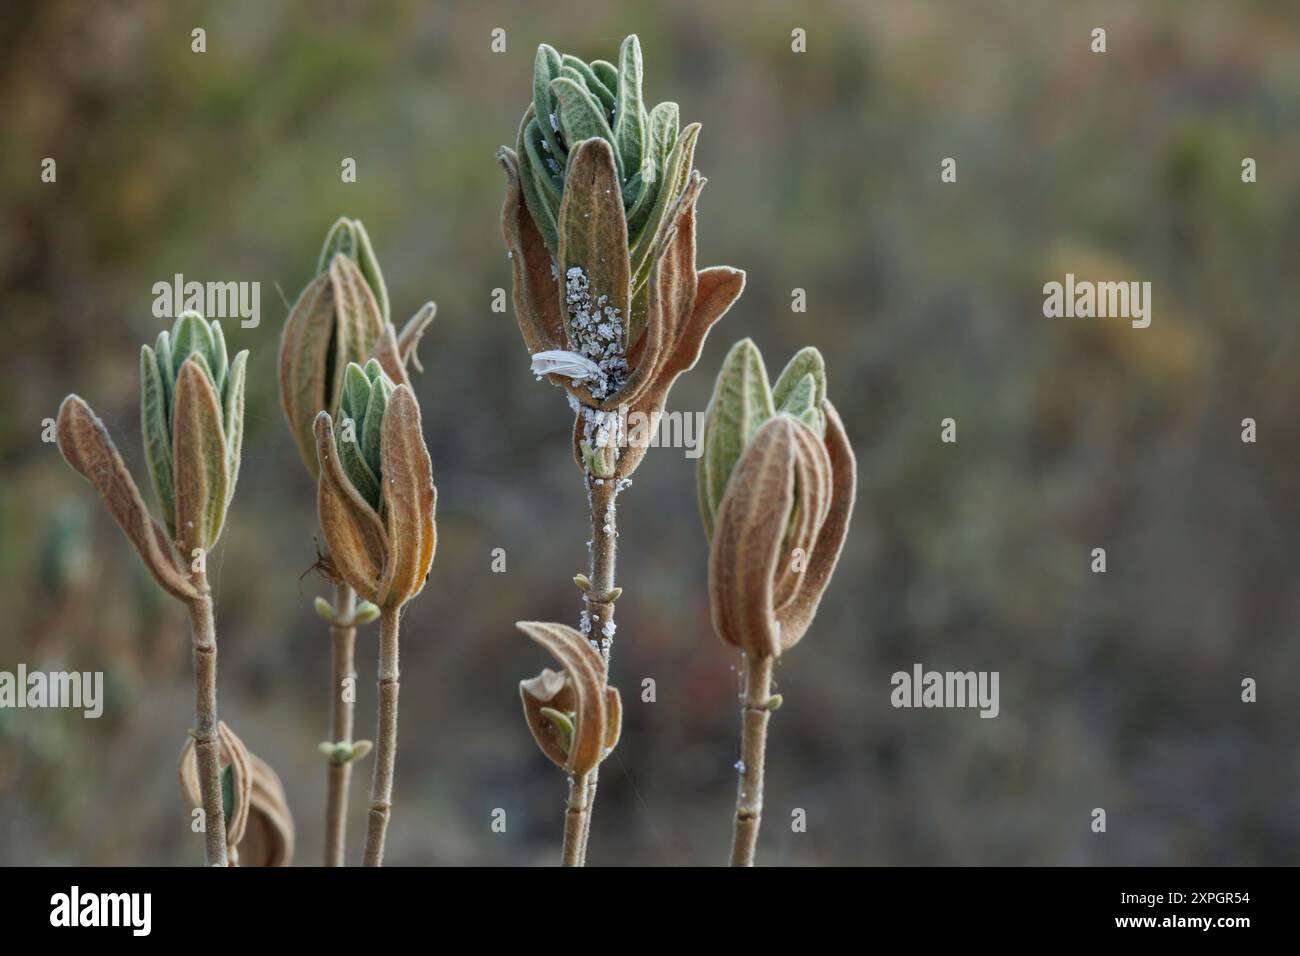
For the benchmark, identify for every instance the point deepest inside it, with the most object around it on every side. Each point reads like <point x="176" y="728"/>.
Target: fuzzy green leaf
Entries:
<point x="372" y="422"/>
<point x="673" y="181"/>
<point x="807" y="361"/>
<point x="218" y="359"/>
<point x="545" y="69"/>
<point x="581" y="117"/>
<point x="594" y="84"/>
<point x="629" y="118"/>
<point x="741" y="403"/>
<point x="191" y="336"/>
<point x="155" y="425"/>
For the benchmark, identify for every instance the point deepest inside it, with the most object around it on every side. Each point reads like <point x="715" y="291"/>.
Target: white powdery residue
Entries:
<point x="584" y="623"/>
<point x="609" y="629"/>
<point x="555" y="123"/>
<point x="624" y="484"/>
<point x="740" y="766"/>
<point x="596" y="328"/>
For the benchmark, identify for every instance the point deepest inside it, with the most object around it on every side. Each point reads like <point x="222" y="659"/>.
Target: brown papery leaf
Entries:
<point x="586" y="672"/>
<point x="548" y="689"/>
<point x="85" y="443"/>
<point x="355" y="536"/>
<point x="409" y="500"/>
<point x="812" y="501"/>
<point x="536" y="294"/>
<point x="234" y="754"/>
<point x="269" y="838"/>
<point x="716" y="289"/>
<point x="200" y="464"/>
<point x="304" y="357"/>
<point x="389" y="356"/>
<point x="593" y="232"/>
<point x="798" y="614"/>
<point x="359" y="320"/>
<point x="747" y="540"/>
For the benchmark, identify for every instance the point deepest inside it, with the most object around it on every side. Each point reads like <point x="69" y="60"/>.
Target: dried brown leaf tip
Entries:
<point x="341" y="317"/>
<point x="574" y="715"/>
<point x="777" y="486"/>
<point x="607" y="294"/>
<point x="376" y="498"/>
<point x="259" y="827"/>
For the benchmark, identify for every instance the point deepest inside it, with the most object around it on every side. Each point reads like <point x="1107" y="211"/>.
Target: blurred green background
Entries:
<point x="1119" y="691"/>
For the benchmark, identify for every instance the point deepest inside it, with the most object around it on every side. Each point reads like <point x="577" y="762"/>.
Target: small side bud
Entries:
<point x="361" y="748"/>
<point x="324" y="610"/>
<point x="563" y="724"/>
<point x="774" y="702"/>
<point x="583" y="582"/>
<point x="366" y="613"/>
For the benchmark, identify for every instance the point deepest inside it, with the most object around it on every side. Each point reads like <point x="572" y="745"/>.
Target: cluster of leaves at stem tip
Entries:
<point x="575" y="101"/>
<point x="194" y="340"/>
<point x="366" y="392"/>
<point x="743" y="401"/>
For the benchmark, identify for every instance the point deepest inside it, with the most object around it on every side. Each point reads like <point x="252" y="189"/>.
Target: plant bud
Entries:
<point x="381" y="536"/>
<point x="574" y="715"/>
<point x="791" y="492"/>
<point x="742" y="403"/>
<point x="192" y="419"/>
<point x="600" y="222"/>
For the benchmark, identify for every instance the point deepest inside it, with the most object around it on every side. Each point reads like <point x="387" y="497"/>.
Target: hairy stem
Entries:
<point x="576" y="815"/>
<point x="207" y="746"/>
<point x="381" y="788"/>
<point x="343" y="636"/>
<point x="601" y="495"/>
<point x="754" y="713"/>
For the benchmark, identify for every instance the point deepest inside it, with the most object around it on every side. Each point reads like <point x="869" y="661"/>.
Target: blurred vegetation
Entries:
<point x="1120" y="691"/>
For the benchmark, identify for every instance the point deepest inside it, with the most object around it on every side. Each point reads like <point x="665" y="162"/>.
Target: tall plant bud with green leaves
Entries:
<point x="777" y="481"/>
<point x="192" y="418"/>
<point x="376" y="501"/>
<point x="600" y="222"/>
<point x="342" y="316"/>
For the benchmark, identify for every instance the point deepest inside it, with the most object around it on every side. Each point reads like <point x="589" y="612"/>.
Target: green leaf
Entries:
<point x="741" y="403"/>
<point x="368" y="262"/>
<point x="371" y="428"/>
<point x="807" y="361"/>
<point x="218" y="359"/>
<point x="163" y="352"/>
<point x="607" y="73"/>
<point x="354" y="462"/>
<point x="629" y="118"/>
<point x="552" y="186"/>
<point x="543" y="215"/>
<point x="665" y="121"/>
<point x="356" y="392"/>
<point x="563" y="725"/>
<point x="340" y="240"/>
<point x="595" y="85"/>
<point x="673" y="181"/>
<point x="581" y="117"/>
<point x="228" y="793"/>
<point x="545" y="69"/>
<point x="191" y="336"/>
<point x="156" y="429"/>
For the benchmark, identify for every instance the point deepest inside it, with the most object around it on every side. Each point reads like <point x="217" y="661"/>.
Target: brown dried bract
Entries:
<point x="767" y="575"/>
<point x="85" y="443"/>
<point x="579" y="688"/>
<point x="260" y="831"/>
